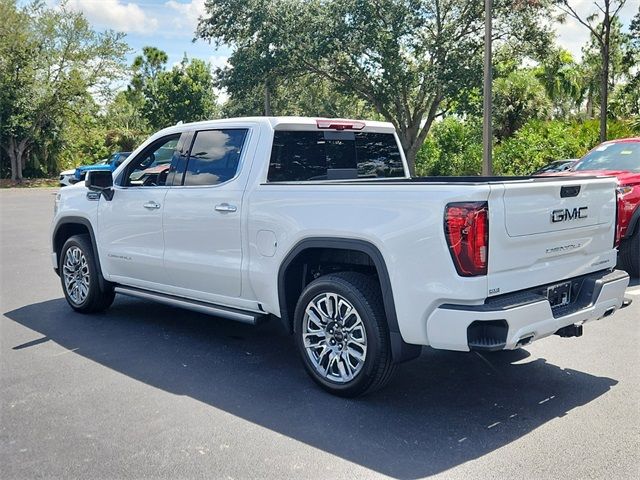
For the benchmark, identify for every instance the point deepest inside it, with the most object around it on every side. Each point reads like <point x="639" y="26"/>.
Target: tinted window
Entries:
<point x="304" y="156"/>
<point x="612" y="156"/>
<point x="214" y="156"/>
<point x="150" y="168"/>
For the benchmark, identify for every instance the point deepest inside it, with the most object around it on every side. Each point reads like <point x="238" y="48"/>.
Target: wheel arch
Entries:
<point x="74" y="225"/>
<point x="291" y="284"/>
<point x="633" y="223"/>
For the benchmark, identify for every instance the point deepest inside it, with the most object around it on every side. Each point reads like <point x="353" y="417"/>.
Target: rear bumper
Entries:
<point x="512" y="320"/>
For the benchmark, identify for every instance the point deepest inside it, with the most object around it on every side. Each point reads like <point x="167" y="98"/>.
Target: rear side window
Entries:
<point x="214" y="156"/>
<point x="307" y="156"/>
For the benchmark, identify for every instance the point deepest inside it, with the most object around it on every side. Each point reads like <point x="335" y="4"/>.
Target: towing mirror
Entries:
<point x="100" y="181"/>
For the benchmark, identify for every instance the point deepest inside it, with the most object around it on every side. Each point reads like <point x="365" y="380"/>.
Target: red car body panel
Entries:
<point x="629" y="201"/>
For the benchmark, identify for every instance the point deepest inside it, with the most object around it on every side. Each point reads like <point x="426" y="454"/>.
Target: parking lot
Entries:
<point x="149" y="391"/>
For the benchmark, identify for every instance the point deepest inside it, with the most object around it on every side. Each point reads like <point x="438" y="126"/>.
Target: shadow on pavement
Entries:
<point x="439" y="411"/>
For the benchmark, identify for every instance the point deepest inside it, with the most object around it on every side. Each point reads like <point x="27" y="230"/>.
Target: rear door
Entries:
<point x="202" y="217"/>
<point x="544" y="230"/>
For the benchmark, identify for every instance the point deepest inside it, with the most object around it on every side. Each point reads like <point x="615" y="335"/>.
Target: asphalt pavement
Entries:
<point x="149" y="391"/>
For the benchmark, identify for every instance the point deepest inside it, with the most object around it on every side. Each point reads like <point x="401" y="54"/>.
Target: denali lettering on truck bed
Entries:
<point x="317" y="223"/>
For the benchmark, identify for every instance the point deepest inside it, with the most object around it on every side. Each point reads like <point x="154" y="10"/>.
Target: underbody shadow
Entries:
<point x="439" y="411"/>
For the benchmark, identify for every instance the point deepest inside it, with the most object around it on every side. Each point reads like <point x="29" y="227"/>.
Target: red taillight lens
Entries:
<point x="466" y="226"/>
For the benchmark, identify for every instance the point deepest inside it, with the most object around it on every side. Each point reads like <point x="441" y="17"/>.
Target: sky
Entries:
<point x="170" y="25"/>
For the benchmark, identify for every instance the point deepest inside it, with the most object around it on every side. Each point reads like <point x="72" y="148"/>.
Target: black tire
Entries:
<point x="629" y="254"/>
<point x="97" y="298"/>
<point x="364" y="294"/>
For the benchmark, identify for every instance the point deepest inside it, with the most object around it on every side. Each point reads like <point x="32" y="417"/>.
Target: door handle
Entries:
<point x="151" y="205"/>
<point x="225" y="208"/>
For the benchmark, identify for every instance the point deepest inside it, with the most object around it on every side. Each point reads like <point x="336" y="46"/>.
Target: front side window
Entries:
<point x="150" y="168"/>
<point x="298" y="156"/>
<point x="214" y="156"/>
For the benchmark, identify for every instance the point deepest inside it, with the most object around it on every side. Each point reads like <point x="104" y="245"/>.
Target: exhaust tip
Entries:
<point x="608" y="312"/>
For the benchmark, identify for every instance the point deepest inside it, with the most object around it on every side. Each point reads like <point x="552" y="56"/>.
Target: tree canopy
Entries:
<point x="410" y="60"/>
<point x="70" y="94"/>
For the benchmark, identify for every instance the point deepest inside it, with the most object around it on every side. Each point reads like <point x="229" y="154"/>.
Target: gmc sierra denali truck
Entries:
<point x="316" y="222"/>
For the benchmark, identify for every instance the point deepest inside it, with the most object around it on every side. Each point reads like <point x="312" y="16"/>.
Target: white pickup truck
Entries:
<point x="316" y="222"/>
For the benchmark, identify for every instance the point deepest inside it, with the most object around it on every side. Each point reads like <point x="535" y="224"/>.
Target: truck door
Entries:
<point x="202" y="217"/>
<point x="130" y="225"/>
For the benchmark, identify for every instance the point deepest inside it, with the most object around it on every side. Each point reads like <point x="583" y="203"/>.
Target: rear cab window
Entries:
<point x="300" y="156"/>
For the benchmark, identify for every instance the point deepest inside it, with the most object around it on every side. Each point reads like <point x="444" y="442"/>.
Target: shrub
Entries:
<point x="454" y="146"/>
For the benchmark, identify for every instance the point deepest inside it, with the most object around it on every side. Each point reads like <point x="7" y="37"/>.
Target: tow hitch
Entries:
<point x="570" y="331"/>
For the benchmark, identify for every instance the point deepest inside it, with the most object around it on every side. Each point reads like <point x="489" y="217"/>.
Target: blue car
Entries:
<point x="111" y="163"/>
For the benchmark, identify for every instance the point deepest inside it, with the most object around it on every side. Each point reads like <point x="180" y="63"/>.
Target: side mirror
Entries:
<point x="100" y="181"/>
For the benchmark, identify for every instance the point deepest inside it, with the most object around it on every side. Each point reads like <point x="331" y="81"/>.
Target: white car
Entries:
<point x="67" y="177"/>
<point x="315" y="222"/>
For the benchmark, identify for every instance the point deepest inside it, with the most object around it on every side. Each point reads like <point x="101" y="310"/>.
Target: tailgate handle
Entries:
<point x="569" y="191"/>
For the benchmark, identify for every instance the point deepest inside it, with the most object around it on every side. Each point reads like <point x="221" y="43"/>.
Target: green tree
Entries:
<point x="141" y="91"/>
<point x="255" y="30"/>
<point x="410" y="60"/>
<point x="299" y="95"/>
<point x="626" y="99"/>
<point x="126" y="126"/>
<point x="51" y="64"/>
<point x="518" y="98"/>
<point x="601" y="28"/>
<point x="184" y="93"/>
<point x="561" y="78"/>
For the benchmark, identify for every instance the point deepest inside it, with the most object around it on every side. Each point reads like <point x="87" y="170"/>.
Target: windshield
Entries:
<point x="612" y="156"/>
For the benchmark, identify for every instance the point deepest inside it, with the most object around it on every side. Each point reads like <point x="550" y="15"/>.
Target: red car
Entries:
<point x="619" y="158"/>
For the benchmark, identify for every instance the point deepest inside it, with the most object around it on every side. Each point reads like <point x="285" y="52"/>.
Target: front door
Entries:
<point x="130" y="225"/>
<point x="202" y="218"/>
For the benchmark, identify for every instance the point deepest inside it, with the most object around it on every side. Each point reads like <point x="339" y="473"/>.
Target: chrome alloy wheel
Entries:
<point x="76" y="275"/>
<point x="334" y="337"/>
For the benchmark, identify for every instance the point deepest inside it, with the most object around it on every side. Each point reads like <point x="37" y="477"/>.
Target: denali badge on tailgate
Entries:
<point x="566" y="214"/>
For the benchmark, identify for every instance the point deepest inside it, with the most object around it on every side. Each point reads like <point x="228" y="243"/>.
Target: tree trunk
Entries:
<point x="267" y="99"/>
<point x="16" y="153"/>
<point x="604" y="80"/>
<point x="14" y="169"/>
<point x="410" y="155"/>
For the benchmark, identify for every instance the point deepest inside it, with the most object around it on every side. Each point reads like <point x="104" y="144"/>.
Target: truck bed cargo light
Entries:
<point x="329" y="124"/>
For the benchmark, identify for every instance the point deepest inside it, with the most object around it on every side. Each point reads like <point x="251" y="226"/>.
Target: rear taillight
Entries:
<point x="466" y="226"/>
<point x="620" y="203"/>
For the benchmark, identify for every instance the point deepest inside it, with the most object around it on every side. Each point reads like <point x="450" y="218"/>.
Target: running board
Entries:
<point x="202" y="307"/>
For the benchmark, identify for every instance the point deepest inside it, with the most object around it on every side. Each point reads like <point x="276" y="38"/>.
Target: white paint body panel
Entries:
<point x="130" y="236"/>
<point x="234" y="259"/>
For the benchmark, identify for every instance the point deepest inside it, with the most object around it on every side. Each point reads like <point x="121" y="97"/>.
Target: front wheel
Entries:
<point x="342" y="335"/>
<point x="79" y="277"/>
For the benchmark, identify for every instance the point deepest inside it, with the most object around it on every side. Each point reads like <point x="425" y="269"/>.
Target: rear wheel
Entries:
<point x="79" y="277"/>
<point x="630" y="254"/>
<point x="342" y="335"/>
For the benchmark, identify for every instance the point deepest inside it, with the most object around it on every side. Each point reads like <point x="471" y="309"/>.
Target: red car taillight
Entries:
<point x="466" y="226"/>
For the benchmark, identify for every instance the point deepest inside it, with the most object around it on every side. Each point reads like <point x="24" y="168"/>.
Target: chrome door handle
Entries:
<point x="151" y="205"/>
<point x="225" y="208"/>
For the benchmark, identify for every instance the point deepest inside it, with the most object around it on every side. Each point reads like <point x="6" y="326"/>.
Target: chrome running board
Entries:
<point x="202" y="307"/>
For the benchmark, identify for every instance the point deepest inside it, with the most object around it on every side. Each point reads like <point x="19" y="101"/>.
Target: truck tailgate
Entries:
<point x="542" y="232"/>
